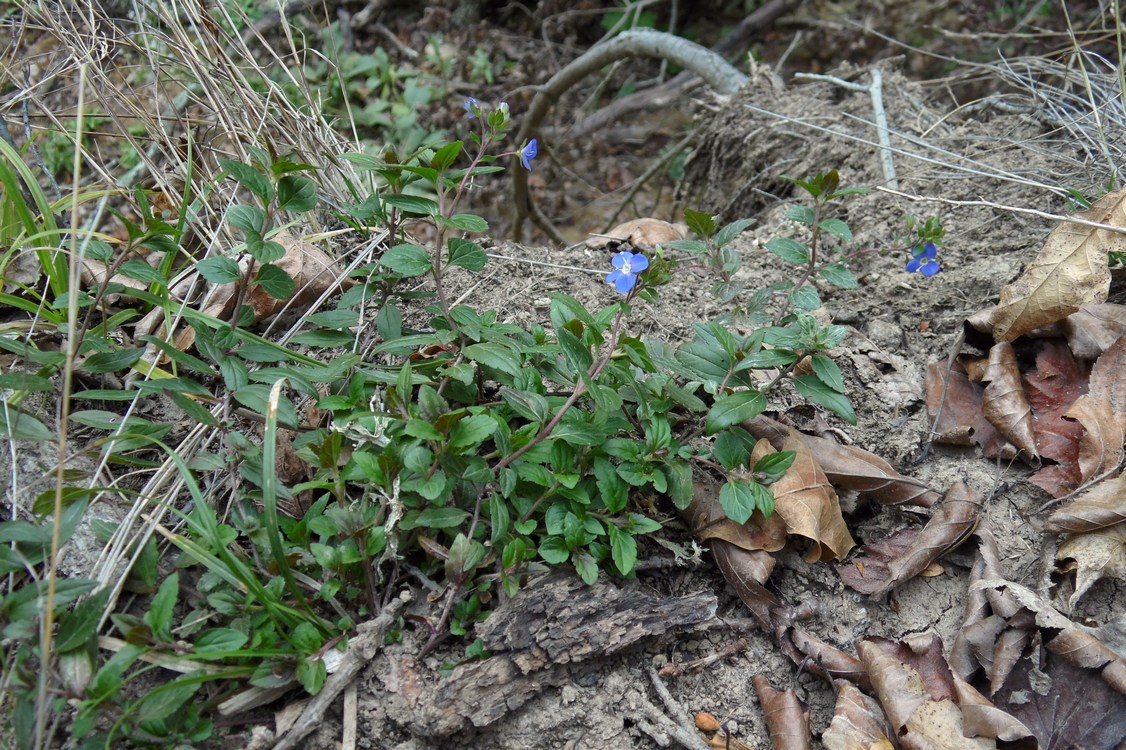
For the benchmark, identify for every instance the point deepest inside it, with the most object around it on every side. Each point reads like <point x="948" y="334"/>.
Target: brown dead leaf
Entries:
<point x="643" y="234"/>
<point x="313" y="272"/>
<point x="1071" y="270"/>
<point x="830" y="659"/>
<point x="858" y="722"/>
<point x="1092" y="556"/>
<point x="735" y="547"/>
<point x="1090" y="331"/>
<point x="786" y="715"/>
<point x="1104" y="504"/>
<point x="928" y="705"/>
<point x="958" y="406"/>
<point x="892" y="562"/>
<point x="1003" y="402"/>
<point x="1052" y="388"/>
<point x="807" y="503"/>
<point x="1062" y="705"/>
<point x="852" y="468"/>
<point x="1102" y="412"/>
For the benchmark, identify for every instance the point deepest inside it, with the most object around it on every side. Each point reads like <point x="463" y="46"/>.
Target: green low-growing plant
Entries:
<point x="461" y="450"/>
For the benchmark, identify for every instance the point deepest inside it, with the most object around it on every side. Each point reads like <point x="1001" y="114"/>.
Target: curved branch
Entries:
<point x="716" y="72"/>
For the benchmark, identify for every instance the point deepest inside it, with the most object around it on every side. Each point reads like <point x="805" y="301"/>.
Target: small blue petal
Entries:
<point x="472" y="107"/>
<point x="638" y="263"/>
<point x="528" y="153"/>
<point x="930" y="268"/>
<point x="622" y="259"/>
<point x="914" y="265"/>
<point x="625" y="282"/>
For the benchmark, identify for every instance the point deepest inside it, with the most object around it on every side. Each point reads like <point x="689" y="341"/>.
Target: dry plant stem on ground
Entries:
<point x="715" y="71"/>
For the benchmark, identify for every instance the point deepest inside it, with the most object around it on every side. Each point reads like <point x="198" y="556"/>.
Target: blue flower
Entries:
<point x="924" y="260"/>
<point x="626" y="267"/>
<point x="528" y="153"/>
<point x="472" y="107"/>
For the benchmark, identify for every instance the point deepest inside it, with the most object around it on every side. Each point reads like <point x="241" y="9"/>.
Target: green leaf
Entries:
<point x="406" y="260"/>
<point x="587" y="567"/>
<point x="815" y="391"/>
<point x="837" y="228"/>
<point x="837" y="275"/>
<point x="494" y="355"/>
<point x="529" y="405"/>
<point x="112" y="361"/>
<point x="469" y="255"/>
<point x="731" y="231"/>
<point x="446" y="155"/>
<point x="264" y="251"/>
<point x="249" y="177"/>
<point x="774" y="465"/>
<point x="19" y="426"/>
<point x="702" y="224"/>
<point x="441" y="518"/>
<point x="250" y="219"/>
<point x="422" y="429"/>
<point x="578" y="354"/>
<point x="789" y="250"/>
<point x="218" y="270"/>
<point x="472" y="431"/>
<point x="467" y="222"/>
<point x="311" y="675"/>
<point x="764" y="498"/>
<point x="611" y="488"/>
<point x="256" y="398"/>
<point x="80" y="626"/>
<point x="412" y="204"/>
<point x="828" y="372"/>
<point x="766" y="358"/>
<point x="696" y="247"/>
<point x="141" y="271"/>
<point x="738" y="500"/>
<point x="679" y="474"/>
<point x="623" y="549"/>
<point x="22" y="381"/>
<point x="801" y="214"/>
<point x="167" y="699"/>
<point x="306" y="638"/>
<point x="296" y="193"/>
<point x="220" y="640"/>
<point x="805" y="298"/>
<point x="733" y="448"/>
<point x="554" y="550"/>
<point x="159" y="616"/>
<point x="734" y="409"/>
<point x="275" y="281"/>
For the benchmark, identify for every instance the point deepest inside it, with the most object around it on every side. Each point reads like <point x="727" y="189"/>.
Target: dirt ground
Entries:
<point x="898" y="324"/>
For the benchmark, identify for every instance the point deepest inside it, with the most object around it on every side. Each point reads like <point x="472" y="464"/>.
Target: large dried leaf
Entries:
<point x="707" y="519"/>
<point x="744" y="565"/>
<point x="1003" y="402"/>
<point x="1102" y="412"/>
<point x="858" y="722"/>
<point x="1052" y="388"/>
<point x="957" y="402"/>
<point x="1062" y="705"/>
<point x="807" y="503"/>
<point x="643" y="234"/>
<point x="891" y="563"/>
<point x="1104" y="504"/>
<point x="786" y="716"/>
<point x="852" y="468"/>
<point x="927" y="704"/>
<point x="1090" y="331"/>
<point x="830" y="659"/>
<point x="1093" y="556"/>
<point x="1071" y="270"/>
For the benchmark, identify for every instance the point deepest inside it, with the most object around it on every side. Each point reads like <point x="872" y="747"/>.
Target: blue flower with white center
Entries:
<point x="472" y="107"/>
<point x="924" y="260"/>
<point x="528" y="153"/>
<point x="626" y="267"/>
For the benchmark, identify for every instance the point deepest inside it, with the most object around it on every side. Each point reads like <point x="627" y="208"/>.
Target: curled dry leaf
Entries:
<point x="830" y="659"/>
<point x="1071" y="270"/>
<point x="786" y="715"/>
<point x="1064" y="706"/>
<point x="1102" y="412"/>
<point x="313" y="273"/>
<point x="1104" y="504"/>
<point x="1092" y="556"/>
<point x="1052" y="388"/>
<point x="852" y="468"/>
<point x="891" y="562"/>
<point x="735" y="547"/>
<point x="807" y="503"/>
<point x="1003" y="401"/>
<point x="927" y="704"/>
<point x="858" y="722"/>
<point x="643" y="234"/>
<point x="955" y="399"/>
<point x="1093" y="329"/>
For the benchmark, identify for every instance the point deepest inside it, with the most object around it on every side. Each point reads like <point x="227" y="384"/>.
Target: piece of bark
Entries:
<point x="554" y="622"/>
